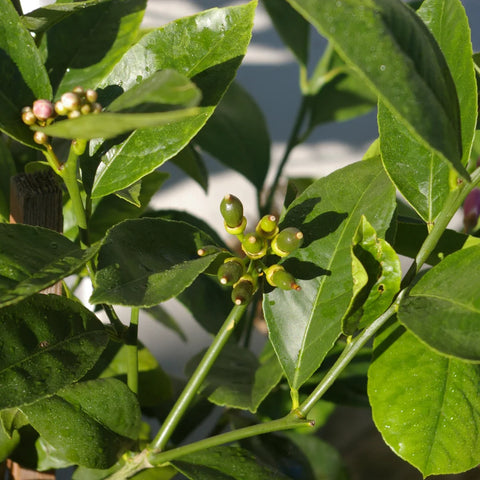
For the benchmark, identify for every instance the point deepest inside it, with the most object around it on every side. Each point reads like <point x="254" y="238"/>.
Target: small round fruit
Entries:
<point x="40" y="138"/>
<point x="277" y="276"/>
<point x="243" y="291"/>
<point x="230" y="271"/>
<point x="231" y="209"/>
<point x="254" y="245"/>
<point x="288" y="240"/>
<point x="71" y="101"/>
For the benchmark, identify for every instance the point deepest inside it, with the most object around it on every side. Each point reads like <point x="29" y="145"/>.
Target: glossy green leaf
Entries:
<point x="375" y="259"/>
<point x="400" y="61"/>
<point x="84" y="47"/>
<point x="190" y="162"/>
<point x="224" y="463"/>
<point x="145" y="150"/>
<point x="83" y="425"/>
<point x="165" y="88"/>
<point x="292" y="28"/>
<point x="48" y="458"/>
<point x="420" y="174"/>
<point x="410" y="236"/>
<point x="207" y="48"/>
<point x="34" y="258"/>
<point x="238" y="379"/>
<point x="7" y="444"/>
<point x="111" y="209"/>
<point x="449" y="25"/>
<point x="443" y="308"/>
<point x="146" y="261"/>
<point x="425" y="405"/>
<point x="23" y="74"/>
<point x="43" y="18"/>
<point x="304" y="325"/>
<point x="237" y="135"/>
<point x="47" y="342"/>
<point x="109" y="125"/>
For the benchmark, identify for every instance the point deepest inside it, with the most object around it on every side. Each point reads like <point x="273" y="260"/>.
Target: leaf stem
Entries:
<point x="348" y="353"/>
<point x="290" y="421"/>
<point x="160" y="441"/>
<point x="69" y="175"/>
<point x="132" y="350"/>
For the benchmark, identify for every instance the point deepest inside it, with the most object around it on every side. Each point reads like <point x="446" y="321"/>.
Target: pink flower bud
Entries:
<point x="43" y="109"/>
<point x="471" y="210"/>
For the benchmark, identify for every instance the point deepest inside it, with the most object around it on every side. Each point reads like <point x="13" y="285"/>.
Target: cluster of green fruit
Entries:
<point x="72" y="104"/>
<point x="267" y="239"/>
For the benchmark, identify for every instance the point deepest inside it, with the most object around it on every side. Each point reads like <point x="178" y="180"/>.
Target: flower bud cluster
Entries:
<point x="267" y="239"/>
<point x="72" y="104"/>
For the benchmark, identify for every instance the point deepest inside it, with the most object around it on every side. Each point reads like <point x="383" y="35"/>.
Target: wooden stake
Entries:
<point x="35" y="199"/>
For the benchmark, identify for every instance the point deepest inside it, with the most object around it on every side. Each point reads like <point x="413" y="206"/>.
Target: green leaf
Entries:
<point x="376" y="275"/>
<point x="165" y="88"/>
<point x="448" y="23"/>
<point x="43" y="18"/>
<point x="237" y="135"/>
<point x="207" y="48"/>
<point x="34" y="258"/>
<point x="425" y="405"/>
<point x="24" y="78"/>
<point x="109" y="125"/>
<point x="400" y="61"/>
<point x="111" y="209"/>
<point x="146" y="261"/>
<point x="420" y="174"/>
<point x="224" y="463"/>
<point x="47" y="342"/>
<point x="304" y="325"/>
<point x="190" y="162"/>
<point x="443" y="308"/>
<point x="292" y="28"/>
<point x="238" y="379"/>
<point x="84" y="47"/>
<point x="82" y="424"/>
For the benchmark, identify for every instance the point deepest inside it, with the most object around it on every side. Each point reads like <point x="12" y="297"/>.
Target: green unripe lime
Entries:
<point x="243" y="290"/>
<point x="267" y="227"/>
<point x="231" y="209"/>
<point x="230" y="271"/>
<point x="288" y="240"/>
<point x="277" y="276"/>
<point x="254" y="245"/>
